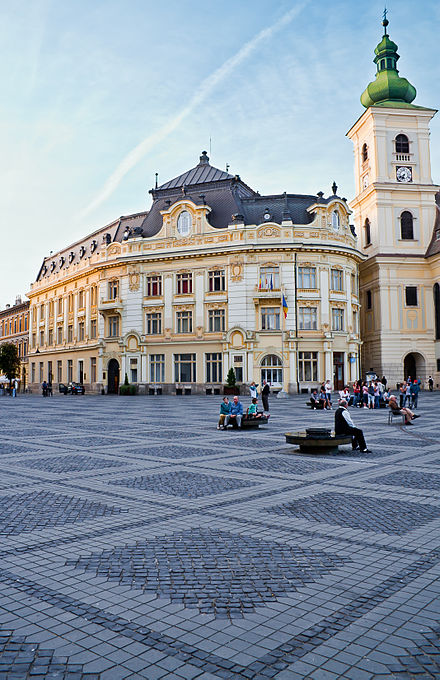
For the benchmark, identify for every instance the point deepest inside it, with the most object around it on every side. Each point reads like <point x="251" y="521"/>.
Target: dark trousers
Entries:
<point x="358" y="437"/>
<point x="265" y="400"/>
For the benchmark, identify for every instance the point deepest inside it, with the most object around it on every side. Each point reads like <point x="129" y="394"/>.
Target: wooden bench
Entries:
<point x="248" y="423"/>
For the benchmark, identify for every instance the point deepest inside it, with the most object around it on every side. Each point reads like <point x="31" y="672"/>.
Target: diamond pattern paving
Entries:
<point x="410" y="479"/>
<point x="21" y="660"/>
<point x="68" y="463"/>
<point x="184" y="484"/>
<point x="422" y="661"/>
<point x="358" y="512"/>
<point x="277" y="464"/>
<point x="41" y="509"/>
<point x="214" y="571"/>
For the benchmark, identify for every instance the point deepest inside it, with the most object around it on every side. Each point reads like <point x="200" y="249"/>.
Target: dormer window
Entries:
<point x="335" y="220"/>
<point x="82" y="252"/>
<point x="364" y="153"/>
<point x="184" y="223"/>
<point x="402" y="144"/>
<point x="71" y="256"/>
<point x="93" y="246"/>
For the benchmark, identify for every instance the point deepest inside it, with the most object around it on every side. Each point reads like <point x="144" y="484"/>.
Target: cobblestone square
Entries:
<point x="128" y="551"/>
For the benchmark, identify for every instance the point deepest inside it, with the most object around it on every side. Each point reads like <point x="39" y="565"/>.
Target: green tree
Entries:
<point x="9" y="360"/>
<point x="230" y="378"/>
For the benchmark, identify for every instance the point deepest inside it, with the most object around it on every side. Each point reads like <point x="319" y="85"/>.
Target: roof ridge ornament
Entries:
<point x="204" y="158"/>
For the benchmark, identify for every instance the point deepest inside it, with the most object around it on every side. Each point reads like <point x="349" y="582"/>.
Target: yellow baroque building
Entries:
<point x="174" y="297"/>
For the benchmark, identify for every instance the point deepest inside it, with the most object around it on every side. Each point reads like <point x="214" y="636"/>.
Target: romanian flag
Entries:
<point x="285" y="307"/>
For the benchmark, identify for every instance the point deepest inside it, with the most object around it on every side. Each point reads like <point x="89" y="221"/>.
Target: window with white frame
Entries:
<point x="93" y="328"/>
<point x="238" y="367"/>
<point x="270" y="318"/>
<point x="335" y="220"/>
<point x="153" y="323"/>
<point x="184" y="283"/>
<point x="337" y="319"/>
<point x="81" y="299"/>
<point x="154" y="285"/>
<point x="308" y="366"/>
<point x="185" y="368"/>
<point x="157" y="368"/>
<point x="184" y="223"/>
<point x="306" y="277"/>
<point x="216" y="320"/>
<point x="113" y="289"/>
<point x="134" y="370"/>
<point x="214" y="367"/>
<point x="81" y="331"/>
<point x="216" y="280"/>
<point x="93" y="369"/>
<point x="113" y="326"/>
<point x="184" y="321"/>
<point x="269" y="278"/>
<point x="308" y="318"/>
<point x="337" y="281"/>
<point x="271" y="369"/>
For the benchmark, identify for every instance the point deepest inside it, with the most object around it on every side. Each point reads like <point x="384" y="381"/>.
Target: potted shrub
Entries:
<point x="231" y="386"/>
<point x="126" y="388"/>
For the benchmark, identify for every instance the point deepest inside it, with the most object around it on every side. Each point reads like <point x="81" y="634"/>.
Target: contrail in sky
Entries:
<point x="202" y="92"/>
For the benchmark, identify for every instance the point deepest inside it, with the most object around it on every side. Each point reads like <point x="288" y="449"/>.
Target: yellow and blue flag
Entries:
<point x="285" y="307"/>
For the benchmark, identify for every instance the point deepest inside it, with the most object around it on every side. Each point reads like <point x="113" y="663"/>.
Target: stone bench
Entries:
<point x="248" y="423"/>
<point x="326" y="443"/>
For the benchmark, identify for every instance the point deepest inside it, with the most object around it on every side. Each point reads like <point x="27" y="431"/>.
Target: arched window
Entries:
<point x="335" y="220"/>
<point x="406" y="226"/>
<point x="402" y="144"/>
<point x="367" y="228"/>
<point x="184" y="223"/>
<point x="437" y="310"/>
<point x="271" y="369"/>
<point x="364" y="153"/>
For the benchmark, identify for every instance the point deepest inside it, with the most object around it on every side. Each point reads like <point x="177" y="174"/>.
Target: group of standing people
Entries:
<point x="46" y="388"/>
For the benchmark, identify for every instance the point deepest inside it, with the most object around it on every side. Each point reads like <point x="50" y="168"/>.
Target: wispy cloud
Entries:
<point x="200" y="95"/>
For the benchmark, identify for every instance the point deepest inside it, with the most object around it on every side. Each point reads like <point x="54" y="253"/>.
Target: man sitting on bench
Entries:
<point x="396" y="411"/>
<point x="236" y="413"/>
<point x="315" y="401"/>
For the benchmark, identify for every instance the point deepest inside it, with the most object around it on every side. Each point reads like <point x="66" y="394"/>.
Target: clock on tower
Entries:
<point x="403" y="174"/>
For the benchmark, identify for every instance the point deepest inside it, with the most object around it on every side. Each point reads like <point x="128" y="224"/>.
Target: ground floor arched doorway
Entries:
<point x="414" y="366"/>
<point x="113" y="377"/>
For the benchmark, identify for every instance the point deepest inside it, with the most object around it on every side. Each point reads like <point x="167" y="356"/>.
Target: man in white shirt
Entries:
<point x="345" y="425"/>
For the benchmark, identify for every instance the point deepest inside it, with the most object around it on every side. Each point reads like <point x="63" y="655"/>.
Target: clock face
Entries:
<point x="403" y="174"/>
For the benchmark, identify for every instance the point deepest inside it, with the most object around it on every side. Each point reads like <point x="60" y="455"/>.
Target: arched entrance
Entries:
<point x="414" y="366"/>
<point x="113" y="377"/>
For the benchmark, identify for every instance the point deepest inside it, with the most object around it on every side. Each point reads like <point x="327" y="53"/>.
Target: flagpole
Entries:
<point x="282" y="394"/>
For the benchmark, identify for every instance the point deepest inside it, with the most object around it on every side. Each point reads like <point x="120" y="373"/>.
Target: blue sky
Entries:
<point x="85" y="82"/>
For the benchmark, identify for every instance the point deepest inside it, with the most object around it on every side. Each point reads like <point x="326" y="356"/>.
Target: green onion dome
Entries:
<point x="389" y="88"/>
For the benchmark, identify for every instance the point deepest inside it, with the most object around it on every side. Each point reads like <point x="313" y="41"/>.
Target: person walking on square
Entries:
<point x="265" y="396"/>
<point x="345" y="425"/>
<point x="430" y="383"/>
<point x="44" y="388"/>
<point x="14" y="387"/>
<point x="328" y="394"/>
<point x="414" y="390"/>
<point x="407" y="397"/>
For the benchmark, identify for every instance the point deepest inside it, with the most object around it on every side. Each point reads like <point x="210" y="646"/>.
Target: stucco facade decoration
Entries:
<point x="175" y="296"/>
<point x="395" y="212"/>
<point x="14" y="328"/>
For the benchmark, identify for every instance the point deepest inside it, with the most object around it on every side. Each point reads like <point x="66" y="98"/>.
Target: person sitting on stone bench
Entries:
<point x="225" y="409"/>
<point x="345" y="425"/>
<point x="315" y="401"/>
<point x="252" y="411"/>
<point x="397" y="411"/>
<point x="236" y="414"/>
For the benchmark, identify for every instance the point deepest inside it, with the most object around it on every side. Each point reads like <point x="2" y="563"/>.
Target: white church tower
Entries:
<point x="395" y="212"/>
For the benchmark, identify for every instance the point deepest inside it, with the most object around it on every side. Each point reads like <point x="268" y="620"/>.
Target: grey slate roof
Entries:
<point x="203" y="173"/>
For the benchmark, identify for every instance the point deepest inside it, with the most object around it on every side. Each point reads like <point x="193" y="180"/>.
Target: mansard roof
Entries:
<point x="434" y="246"/>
